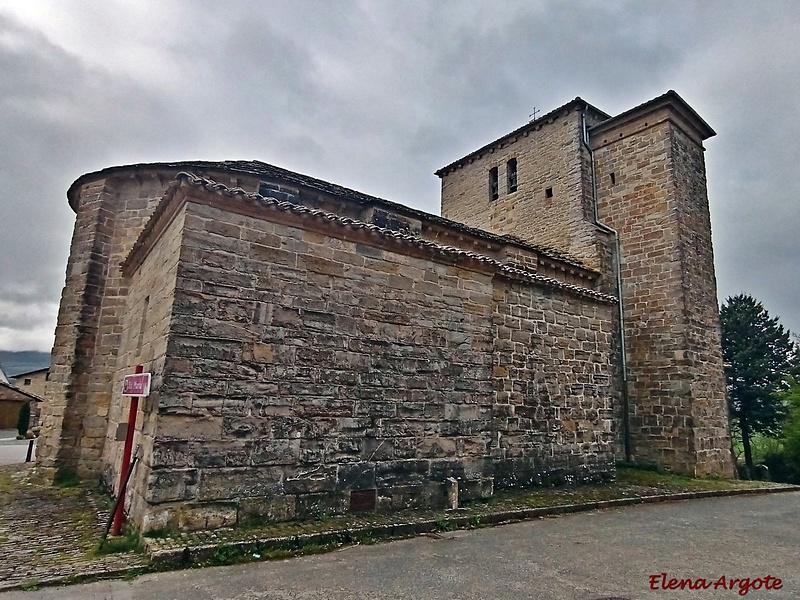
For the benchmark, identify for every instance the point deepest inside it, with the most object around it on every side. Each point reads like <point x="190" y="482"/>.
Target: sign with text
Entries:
<point x="136" y="385"/>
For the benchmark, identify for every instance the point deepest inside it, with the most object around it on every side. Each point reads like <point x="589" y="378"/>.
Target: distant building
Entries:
<point x="35" y="383"/>
<point x="317" y="350"/>
<point x="11" y="400"/>
<point x="32" y="382"/>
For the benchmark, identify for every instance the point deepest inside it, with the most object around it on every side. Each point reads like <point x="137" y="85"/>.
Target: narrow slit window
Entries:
<point x="511" y="170"/>
<point x="548" y="193"/>
<point x="143" y="324"/>
<point x="494" y="188"/>
<point x="613" y="178"/>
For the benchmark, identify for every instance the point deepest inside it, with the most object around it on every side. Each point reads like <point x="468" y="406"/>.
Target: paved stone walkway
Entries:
<point x="50" y="534"/>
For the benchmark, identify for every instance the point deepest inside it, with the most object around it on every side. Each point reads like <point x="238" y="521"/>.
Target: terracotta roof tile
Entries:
<point x="510" y="270"/>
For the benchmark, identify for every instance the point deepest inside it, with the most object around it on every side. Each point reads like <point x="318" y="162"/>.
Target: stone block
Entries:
<point x="203" y="517"/>
<point x="254" y="511"/>
<point x="168" y="485"/>
<point x="185" y="427"/>
<point x="377" y="449"/>
<point x="320" y="265"/>
<point x="356" y="476"/>
<point x="398" y="472"/>
<point x="436" y="447"/>
<point x="473" y="489"/>
<point x="174" y="454"/>
<point x="461" y="412"/>
<point x="320" y="478"/>
<point x="442" y="468"/>
<point x="276" y="452"/>
<point x="431" y="494"/>
<point x="315" y="506"/>
<point x="227" y="453"/>
<point x="231" y="483"/>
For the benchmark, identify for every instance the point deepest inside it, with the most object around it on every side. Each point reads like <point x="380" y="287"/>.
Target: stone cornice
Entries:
<point x="681" y="114"/>
<point x="264" y="171"/>
<point x="168" y="208"/>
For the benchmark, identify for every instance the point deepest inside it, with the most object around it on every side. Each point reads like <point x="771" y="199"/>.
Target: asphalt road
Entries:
<point x="12" y="450"/>
<point x="586" y="556"/>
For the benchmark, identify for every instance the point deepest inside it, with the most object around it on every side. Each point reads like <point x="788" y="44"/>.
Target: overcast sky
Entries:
<point x="376" y="96"/>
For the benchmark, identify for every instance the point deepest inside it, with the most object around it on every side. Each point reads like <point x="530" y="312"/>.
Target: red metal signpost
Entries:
<point x="135" y="386"/>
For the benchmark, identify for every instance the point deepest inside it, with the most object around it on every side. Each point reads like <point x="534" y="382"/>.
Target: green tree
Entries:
<point x="791" y="430"/>
<point x="24" y="418"/>
<point x="758" y="353"/>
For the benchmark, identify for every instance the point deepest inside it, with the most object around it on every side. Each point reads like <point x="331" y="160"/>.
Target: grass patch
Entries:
<point x="123" y="543"/>
<point x="29" y="585"/>
<point x="627" y="475"/>
<point x="132" y="574"/>
<point x="159" y="534"/>
<point x="225" y="555"/>
<point x="127" y="542"/>
<point x="7" y="484"/>
<point x="443" y="524"/>
<point x="66" y="479"/>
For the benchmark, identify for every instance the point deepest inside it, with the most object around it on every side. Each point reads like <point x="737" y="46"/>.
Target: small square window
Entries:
<point x="494" y="187"/>
<point x="548" y="193"/>
<point x="511" y="170"/>
<point x="26" y="382"/>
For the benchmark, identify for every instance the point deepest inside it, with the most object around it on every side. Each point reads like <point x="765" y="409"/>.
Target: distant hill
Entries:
<point x="21" y="362"/>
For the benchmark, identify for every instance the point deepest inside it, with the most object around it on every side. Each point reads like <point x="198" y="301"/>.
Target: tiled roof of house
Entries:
<point x="19" y="391"/>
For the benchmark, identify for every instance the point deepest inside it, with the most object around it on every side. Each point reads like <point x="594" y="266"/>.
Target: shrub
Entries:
<point x="781" y="468"/>
<point x="24" y="419"/>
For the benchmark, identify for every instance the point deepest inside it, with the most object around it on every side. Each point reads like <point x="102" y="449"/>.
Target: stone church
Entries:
<point x="315" y="350"/>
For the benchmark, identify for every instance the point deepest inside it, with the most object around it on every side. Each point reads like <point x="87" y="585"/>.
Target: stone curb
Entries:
<point x="186" y="555"/>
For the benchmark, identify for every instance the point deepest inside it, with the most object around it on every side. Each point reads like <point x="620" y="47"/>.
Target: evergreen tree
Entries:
<point x="24" y="418"/>
<point x="758" y="353"/>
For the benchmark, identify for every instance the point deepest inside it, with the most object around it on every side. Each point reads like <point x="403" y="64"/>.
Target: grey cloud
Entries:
<point x="376" y="95"/>
<point x="59" y="119"/>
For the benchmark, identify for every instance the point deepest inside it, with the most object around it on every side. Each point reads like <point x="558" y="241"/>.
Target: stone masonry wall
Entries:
<point x="656" y="200"/>
<point x="307" y="361"/>
<point x="111" y="213"/>
<point x="704" y="349"/>
<point x="144" y="333"/>
<point x="548" y="157"/>
<point x="641" y="206"/>
<point x="73" y="426"/>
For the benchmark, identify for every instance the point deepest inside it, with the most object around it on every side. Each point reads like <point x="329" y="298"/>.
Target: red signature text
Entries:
<point x="742" y="585"/>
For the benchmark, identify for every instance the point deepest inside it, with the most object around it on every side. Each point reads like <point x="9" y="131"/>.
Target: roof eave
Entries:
<point x="670" y="99"/>
<point x="24" y="393"/>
